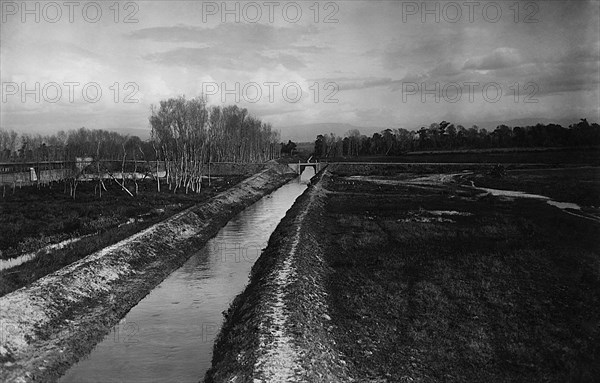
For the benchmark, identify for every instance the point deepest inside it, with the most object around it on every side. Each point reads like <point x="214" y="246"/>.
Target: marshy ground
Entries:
<point x="437" y="281"/>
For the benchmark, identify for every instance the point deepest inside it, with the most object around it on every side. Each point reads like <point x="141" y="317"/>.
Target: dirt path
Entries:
<point x="279" y="357"/>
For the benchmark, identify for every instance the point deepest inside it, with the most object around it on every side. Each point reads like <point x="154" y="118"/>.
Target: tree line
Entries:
<point x="109" y="153"/>
<point x="447" y="136"/>
<point x="66" y="146"/>
<point x="227" y="134"/>
<point x="186" y="135"/>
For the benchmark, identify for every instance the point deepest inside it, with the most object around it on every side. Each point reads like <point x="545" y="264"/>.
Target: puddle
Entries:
<point x="429" y="180"/>
<point x="6" y="264"/>
<point x="449" y="212"/>
<point x="564" y="206"/>
<point x="511" y="193"/>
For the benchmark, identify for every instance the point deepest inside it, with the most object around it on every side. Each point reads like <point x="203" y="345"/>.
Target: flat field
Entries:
<point x="433" y="280"/>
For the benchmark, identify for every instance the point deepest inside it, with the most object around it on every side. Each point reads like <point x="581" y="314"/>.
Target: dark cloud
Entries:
<point x="580" y="54"/>
<point x="565" y="77"/>
<point x="225" y="58"/>
<point x="241" y="35"/>
<point x="499" y="58"/>
<point x="349" y="83"/>
<point x="232" y="46"/>
<point x="290" y="61"/>
<point x="533" y="79"/>
<point x="447" y="68"/>
<point x="423" y="49"/>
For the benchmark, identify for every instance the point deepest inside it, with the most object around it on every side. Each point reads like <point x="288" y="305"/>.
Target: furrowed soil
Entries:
<point x="404" y="276"/>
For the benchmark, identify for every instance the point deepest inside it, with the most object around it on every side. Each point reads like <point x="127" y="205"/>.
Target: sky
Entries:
<point x="375" y="64"/>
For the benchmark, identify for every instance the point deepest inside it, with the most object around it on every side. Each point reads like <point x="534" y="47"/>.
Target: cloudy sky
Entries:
<point x="369" y="64"/>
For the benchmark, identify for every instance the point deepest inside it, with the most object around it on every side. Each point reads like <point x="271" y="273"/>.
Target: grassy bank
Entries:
<point x="32" y="218"/>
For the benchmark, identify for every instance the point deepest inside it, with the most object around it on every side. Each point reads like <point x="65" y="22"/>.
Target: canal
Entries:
<point x="168" y="336"/>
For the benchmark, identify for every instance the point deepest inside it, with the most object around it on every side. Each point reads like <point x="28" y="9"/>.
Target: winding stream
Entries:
<point x="168" y="336"/>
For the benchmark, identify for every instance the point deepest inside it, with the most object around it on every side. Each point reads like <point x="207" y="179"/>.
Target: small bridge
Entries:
<point x="300" y="166"/>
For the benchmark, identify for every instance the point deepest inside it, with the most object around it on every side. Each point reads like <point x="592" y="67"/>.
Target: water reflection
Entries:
<point x="307" y="174"/>
<point x="168" y="336"/>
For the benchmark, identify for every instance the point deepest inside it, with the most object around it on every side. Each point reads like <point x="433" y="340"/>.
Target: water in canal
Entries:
<point x="168" y="336"/>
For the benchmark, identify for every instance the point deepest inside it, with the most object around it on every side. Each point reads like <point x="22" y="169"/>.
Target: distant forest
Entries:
<point x="447" y="136"/>
<point x="188" y="133"/>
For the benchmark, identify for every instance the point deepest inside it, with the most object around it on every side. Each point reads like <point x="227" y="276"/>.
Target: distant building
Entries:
<point x="83" y="162"/>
